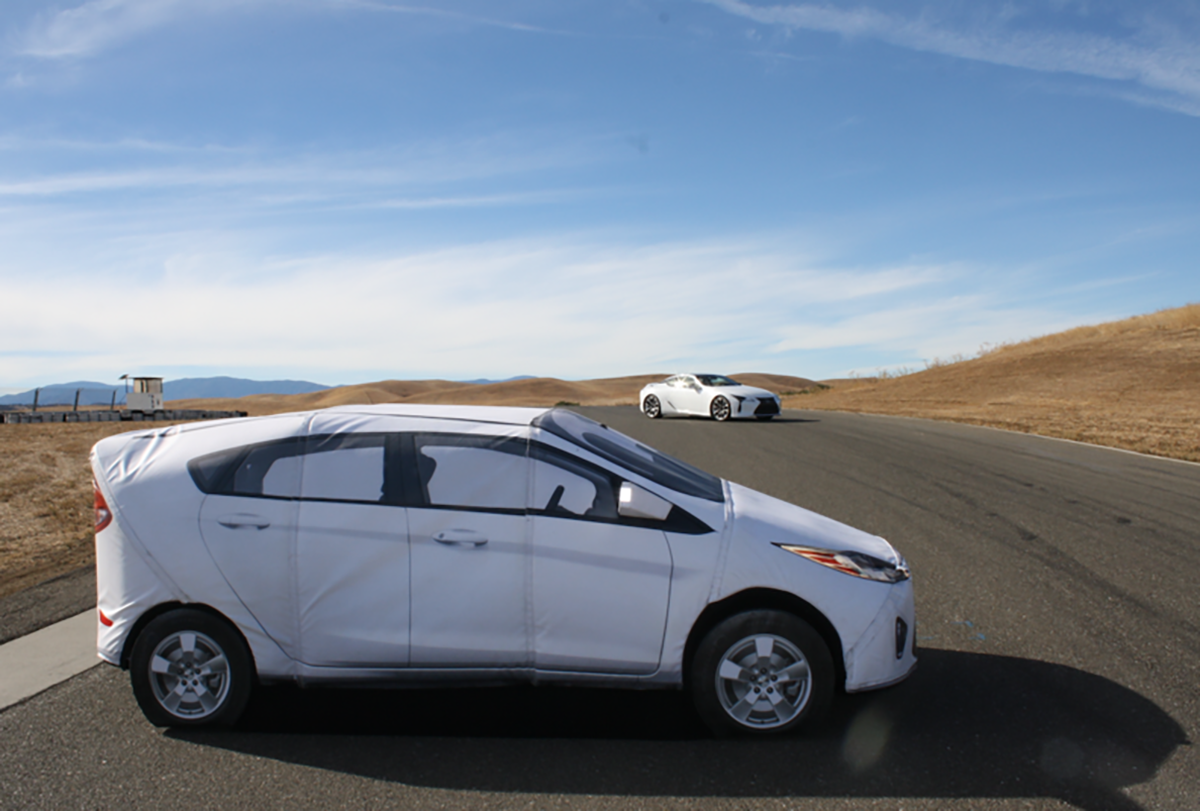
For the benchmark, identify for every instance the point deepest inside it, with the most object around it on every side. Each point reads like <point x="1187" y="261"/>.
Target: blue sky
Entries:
<point x="353" y="190"/>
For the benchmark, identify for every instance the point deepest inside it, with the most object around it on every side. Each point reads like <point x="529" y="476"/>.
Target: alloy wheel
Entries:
<point x="720" y="409"/>
<point x="763" y="681"/>
<point x="189" y="674"/>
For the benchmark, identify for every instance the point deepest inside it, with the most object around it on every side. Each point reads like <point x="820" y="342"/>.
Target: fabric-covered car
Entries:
<point x="424" y="544"/>
<point x="704" y="395"/>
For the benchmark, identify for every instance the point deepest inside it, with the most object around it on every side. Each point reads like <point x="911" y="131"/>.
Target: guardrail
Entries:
<point x="29" y="417"/>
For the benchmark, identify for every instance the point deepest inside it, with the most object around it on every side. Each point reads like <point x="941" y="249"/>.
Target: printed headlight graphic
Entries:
<point x="852" y="563"/>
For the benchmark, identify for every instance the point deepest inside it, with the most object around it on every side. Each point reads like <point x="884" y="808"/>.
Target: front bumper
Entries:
<point x="880" y="657"/>
<point x="756" y="407"/>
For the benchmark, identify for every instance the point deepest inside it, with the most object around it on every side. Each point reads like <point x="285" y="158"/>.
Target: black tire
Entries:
<point x="756" y="695"/>
<point x="651" y="407"/>
<point x="719" y="409"/>
<point x="162" y="665"/>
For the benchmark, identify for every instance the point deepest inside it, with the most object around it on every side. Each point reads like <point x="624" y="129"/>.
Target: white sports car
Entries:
<point x="419" y="545"/>
<point x="715" y="396"/>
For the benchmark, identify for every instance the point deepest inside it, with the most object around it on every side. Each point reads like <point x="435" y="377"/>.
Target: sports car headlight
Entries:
<point x="855" y="563"/>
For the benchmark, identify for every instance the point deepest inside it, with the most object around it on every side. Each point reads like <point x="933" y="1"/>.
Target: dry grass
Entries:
<point x="1132" y="384"/>
<point x="46" y="499"/>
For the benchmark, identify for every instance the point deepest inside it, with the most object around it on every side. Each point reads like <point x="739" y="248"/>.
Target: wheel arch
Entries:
<point x="771" y="599"/>
<point x="163" y="608"/>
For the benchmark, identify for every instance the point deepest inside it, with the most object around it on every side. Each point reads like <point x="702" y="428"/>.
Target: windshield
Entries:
<point x="631" y="455"/>
<point x="717" y="380"/>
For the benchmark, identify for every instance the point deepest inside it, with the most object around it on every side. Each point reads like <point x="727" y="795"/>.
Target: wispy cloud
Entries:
<point x="1162" y="59"/>
<point x="565" y="306"/>
<point x="448" y="14"/>
<point x="481" y="200"/>
<point x="412" y="176"/>
<point x="142" y="146"/>
<point x="97" y="25"/>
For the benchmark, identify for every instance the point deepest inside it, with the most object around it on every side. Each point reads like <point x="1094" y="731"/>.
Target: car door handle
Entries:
<point x="244" y="521"/>
<point x="464" y="536"/>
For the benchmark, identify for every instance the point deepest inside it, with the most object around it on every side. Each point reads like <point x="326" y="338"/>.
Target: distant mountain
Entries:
<point x="93" y="393"/>
<point x="483" y="381"/>
<point x="192" y="388"/>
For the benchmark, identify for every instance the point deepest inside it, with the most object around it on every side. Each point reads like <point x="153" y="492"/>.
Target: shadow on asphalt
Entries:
<point x="965" y="725"/>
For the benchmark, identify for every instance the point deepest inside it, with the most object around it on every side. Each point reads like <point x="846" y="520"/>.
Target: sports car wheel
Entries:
<point x="652" y="407"/>
<point x="190" y="668"/>
<point x="720" y="409"/>
<point x="761" y="672"/>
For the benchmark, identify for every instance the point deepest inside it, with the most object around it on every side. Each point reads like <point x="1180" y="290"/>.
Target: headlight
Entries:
<point x="855" y="563"/>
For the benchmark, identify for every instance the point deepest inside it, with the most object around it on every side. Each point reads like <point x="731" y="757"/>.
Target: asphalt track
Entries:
<point x="1060" y="664"/>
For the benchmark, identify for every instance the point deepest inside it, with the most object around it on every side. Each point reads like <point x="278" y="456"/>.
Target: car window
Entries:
<point x="586" y="491"/>
<point x="345" y="467"/>
<point x="473" y="472"/>
<point x="281" y="479"/>
<point x="631" y="455"/>
<point x="271" y="469"/>
<point x="339" y="467"/>
<point x="718" y="380"/>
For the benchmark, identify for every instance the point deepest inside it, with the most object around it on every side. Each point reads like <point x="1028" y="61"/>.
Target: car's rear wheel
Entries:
<point x="719" y="409"/>
<point x="761" y="672"/>
<point x="190" y="668"/>
<point x="651" y="407"/>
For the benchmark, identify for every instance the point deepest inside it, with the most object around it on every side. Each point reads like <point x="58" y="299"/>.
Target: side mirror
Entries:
<point x="638" y="503"/>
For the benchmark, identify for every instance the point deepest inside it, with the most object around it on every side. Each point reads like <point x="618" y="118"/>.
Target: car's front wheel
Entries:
<point x="719" y="409"/>
<point x="761" y="672"/>
<point x="190" y="668"/>
<point x="651" y="407"/>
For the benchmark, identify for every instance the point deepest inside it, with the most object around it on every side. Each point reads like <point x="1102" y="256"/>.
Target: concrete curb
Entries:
<point x="38" y="661"/>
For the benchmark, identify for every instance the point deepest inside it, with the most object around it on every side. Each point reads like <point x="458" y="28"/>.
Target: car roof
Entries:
<point x="496" y="415"/>
<point x="505" y="415"/>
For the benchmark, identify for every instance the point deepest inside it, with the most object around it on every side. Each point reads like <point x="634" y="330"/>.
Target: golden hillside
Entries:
<point x="538" y="391"/>
<point x="1131" y="384"/>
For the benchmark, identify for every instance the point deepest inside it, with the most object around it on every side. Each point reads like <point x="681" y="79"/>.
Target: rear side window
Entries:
<point x="209" y="471"/>
<point x="270" y="469"/>
<point x="345" y="467"/>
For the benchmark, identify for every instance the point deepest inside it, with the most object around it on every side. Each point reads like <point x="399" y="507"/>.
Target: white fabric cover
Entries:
<point x="517" y="565"/>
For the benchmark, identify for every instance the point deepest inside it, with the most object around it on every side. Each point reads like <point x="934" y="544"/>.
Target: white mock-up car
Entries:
<point x="420" y="545"/>
<point x="703" y="395"/>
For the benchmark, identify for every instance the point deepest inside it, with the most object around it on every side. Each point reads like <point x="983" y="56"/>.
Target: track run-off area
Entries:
<point x="1058" y="628"/>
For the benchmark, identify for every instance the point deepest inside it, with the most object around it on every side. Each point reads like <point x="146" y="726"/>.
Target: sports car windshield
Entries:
<point x="631" y="455"/>
<point x="717" y="380"/>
